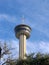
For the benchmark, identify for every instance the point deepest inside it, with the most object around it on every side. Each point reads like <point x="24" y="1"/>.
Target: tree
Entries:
<point x="39" y="59"/>
<point x="5" y="51"/>
<point x="0" y="52"/>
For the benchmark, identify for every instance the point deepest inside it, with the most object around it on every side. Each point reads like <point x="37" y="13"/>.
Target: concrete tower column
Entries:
<point x="22" y="46"/>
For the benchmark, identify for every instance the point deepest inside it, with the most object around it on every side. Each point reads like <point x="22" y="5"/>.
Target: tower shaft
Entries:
<point x="22" y="46"/>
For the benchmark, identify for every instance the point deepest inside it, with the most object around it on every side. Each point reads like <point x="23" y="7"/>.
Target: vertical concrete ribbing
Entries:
<point x="22" y="46"/>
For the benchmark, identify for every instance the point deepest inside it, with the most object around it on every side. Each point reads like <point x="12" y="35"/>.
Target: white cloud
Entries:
<point x="40" y="46"/>
<point x="44" y="46"/>
<point x="8" y="18"/>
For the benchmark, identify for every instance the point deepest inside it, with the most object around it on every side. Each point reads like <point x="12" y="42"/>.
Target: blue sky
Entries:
<point x="36" y="15"/>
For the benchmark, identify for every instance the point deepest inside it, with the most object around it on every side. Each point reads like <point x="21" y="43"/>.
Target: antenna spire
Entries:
<point x="23" y="19"/>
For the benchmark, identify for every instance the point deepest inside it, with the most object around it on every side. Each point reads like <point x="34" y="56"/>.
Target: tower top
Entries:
<point x="22" y="29"/>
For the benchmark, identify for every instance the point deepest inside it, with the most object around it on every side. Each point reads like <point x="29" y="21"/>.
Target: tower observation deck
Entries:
<point x="22" y="32"/>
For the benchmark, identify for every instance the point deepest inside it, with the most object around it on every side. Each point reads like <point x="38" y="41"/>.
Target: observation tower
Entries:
<point x="22" y="32"/>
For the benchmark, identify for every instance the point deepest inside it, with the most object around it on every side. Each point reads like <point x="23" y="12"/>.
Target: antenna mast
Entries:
<point x="23" y="19"/>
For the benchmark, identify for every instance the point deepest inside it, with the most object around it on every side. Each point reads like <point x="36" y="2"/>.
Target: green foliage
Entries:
<point x="39" y="59"/>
